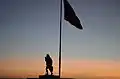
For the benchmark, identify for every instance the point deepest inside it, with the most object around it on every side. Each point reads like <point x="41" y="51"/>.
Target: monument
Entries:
<point x="49" y="67"/>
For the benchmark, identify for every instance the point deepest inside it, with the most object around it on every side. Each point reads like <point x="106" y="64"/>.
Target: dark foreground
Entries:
<point x="57" y="77"/>
<point x="49" y="77"/>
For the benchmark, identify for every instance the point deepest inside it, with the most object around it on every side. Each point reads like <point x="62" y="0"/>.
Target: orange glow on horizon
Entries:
<point x="34" y="67"/>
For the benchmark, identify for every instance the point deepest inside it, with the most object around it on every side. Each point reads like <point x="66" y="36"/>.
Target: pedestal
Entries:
<point x="48" y="77"/>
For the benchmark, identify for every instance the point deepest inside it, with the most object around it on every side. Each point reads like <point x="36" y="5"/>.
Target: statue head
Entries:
<point x="47" y="55"/>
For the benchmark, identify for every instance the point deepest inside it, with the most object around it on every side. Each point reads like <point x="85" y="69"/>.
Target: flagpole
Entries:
<point x="60" y="38"/>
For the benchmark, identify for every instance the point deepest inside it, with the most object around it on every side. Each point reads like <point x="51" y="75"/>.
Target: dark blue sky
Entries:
<point x="30" y="28"/>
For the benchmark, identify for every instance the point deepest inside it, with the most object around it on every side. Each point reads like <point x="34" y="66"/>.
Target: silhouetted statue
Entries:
<point x="49" y="64"/>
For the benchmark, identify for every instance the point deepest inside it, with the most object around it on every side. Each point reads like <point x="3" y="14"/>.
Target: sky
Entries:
<point x="29" y="29"/>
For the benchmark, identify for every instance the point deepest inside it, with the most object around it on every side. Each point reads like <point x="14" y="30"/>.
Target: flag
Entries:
<point x="70" y="16"/>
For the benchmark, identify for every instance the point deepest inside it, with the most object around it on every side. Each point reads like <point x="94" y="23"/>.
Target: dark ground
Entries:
<point x="49" y="77"/>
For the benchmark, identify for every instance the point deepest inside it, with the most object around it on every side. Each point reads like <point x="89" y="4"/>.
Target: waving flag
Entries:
<point x="70" y="16"/>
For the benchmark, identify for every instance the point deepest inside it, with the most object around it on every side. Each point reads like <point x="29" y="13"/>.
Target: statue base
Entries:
<point x="48" y="77"/>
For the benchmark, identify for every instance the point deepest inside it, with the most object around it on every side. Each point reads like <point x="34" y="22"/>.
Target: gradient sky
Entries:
<point x="29" y="29"/>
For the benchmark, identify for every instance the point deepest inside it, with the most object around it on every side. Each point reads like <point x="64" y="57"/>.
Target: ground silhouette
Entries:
<point x="49" y="77"/>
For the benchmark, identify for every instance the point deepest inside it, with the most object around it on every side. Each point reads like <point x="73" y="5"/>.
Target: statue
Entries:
<point x="49" y="66"/>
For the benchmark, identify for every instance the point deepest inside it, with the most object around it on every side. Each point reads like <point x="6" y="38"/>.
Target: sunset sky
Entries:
<point x="29" y="29"/>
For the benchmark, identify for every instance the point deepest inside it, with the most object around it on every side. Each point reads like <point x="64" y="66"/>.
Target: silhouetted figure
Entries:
<point x="49" y="64"/>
